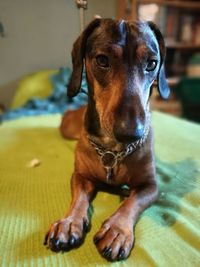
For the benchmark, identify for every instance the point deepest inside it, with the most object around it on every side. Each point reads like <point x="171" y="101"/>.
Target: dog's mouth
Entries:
<point x="117" y="147"/>
<point x="111" y="147"/>
<point x="108" y="141"/>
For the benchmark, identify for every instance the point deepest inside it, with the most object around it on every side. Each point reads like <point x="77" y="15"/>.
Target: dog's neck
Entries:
<point x="108" y="143"/>
<point x="112" y="146"/>
<point x="110" y="158"/>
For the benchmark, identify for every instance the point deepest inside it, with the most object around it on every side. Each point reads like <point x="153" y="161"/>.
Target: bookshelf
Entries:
<point x="179" y="22"/>
<point x="180" y="4"/>
<point x="183" y="46"/>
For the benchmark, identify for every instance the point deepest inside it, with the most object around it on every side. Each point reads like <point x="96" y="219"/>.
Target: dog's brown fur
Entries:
<point x="116" y="115"/>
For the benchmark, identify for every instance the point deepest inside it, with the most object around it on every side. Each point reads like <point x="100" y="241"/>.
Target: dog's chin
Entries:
<point x="107" y="142"/>
<point x="107" y="139"/>
<point x="111" y="143"/>
<point x="115" y="143"/>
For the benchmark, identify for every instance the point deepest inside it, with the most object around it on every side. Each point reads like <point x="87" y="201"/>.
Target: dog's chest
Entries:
<point x="107" y="169"/>
<point x="118" y="175"/>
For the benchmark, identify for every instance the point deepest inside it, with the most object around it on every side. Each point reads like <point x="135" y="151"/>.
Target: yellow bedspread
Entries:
<point x="167" y="234"/>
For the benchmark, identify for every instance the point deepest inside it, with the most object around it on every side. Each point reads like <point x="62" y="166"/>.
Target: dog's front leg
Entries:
<point x="116" y="236"/>
<point x="69" y="232"/>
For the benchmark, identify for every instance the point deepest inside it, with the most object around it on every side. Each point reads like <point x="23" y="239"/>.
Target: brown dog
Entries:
<point x="115" y="147"/>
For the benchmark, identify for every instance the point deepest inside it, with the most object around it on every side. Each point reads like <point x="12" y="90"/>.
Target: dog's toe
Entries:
<point x="113" y="242"/>
<point x="107" y="252"/>
<point x="121" y="255"/>
<point x="75" y="241"/>
<point x="66" y="234"/>
<point x="54" y="244"/>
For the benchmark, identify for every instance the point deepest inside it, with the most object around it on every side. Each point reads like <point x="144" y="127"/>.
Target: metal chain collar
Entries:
<point x="118" y="156"/>
<point x="109" y="159"/>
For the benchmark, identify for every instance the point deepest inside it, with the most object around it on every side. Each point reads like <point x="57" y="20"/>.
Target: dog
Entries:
<point x="122" y="60"/>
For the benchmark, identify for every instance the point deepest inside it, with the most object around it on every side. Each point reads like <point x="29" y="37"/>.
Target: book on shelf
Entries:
<point x="196" y="32"/>
<point x="177" y="25"/>
<point x="153" y="12"/>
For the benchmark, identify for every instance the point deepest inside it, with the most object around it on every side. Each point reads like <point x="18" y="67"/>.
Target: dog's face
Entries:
<point x="122" y="60"/>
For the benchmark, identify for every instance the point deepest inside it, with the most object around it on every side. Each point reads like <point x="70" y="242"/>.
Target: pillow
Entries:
<point x="37" y="84"/>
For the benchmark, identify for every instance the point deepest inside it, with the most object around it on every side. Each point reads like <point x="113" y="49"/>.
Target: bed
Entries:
<point x="167" y="234"/>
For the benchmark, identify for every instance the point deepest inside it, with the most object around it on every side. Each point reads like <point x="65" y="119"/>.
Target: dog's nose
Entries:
<point x="126" y="134"/>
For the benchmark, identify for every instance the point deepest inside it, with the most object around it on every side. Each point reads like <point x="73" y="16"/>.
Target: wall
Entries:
<point x="40" y="34"/>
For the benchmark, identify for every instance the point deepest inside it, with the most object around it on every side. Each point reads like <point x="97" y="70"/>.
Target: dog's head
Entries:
<point x="122" y="60"/>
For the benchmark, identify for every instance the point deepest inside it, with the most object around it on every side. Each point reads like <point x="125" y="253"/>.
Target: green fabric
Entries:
<point x="167" y="234"/>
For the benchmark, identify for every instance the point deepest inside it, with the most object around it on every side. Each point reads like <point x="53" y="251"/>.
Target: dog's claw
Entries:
<point x="45" y="242"/>
<point x="72" y="240"/>
<point x="58" y="244"/>
<point x="54" y="244"/>
<point x="86" y="226"/>
<point x="121" y="255"/>
<point x="107" y="252"/>
<point x="96" y="240"/>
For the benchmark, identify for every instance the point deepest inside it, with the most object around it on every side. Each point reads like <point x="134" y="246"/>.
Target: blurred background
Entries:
<point x="36" y="38"/>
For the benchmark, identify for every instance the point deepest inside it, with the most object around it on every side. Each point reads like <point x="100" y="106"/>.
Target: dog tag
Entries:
<point x="109" y="174"/>
<point x="108" y="159"/>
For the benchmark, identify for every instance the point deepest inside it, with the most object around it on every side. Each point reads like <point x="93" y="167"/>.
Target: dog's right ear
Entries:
<point x="78" y="54"/>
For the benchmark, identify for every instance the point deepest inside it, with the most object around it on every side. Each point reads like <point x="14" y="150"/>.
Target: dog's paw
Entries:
<point x="67" y="233"/>
<point x="114" y="241"/>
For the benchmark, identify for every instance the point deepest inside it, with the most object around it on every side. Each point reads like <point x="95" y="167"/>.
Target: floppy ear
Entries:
<point x="163" y="87"/>
<point x="78" y="54"/>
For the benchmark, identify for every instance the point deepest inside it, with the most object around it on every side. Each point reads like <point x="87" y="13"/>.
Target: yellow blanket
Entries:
<point x="167" y="234"/>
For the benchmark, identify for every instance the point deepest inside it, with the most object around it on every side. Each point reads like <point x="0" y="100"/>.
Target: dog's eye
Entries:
<point x="151" y="65"/>
<point x="102" y="61"/>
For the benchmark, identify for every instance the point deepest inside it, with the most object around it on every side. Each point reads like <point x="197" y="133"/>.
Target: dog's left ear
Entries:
<point x="163" y="87"/>
<point x="78" y="54"/>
